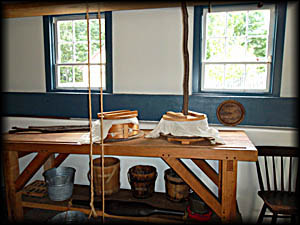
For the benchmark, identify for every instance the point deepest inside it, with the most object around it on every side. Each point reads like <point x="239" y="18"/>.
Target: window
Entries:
<point x="67" y="52"/>
<point x="237" y="49"/>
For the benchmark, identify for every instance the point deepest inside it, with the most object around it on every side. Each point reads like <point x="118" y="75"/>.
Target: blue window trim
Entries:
<point x="276" y="67"/>
<point x="50" y="56"/>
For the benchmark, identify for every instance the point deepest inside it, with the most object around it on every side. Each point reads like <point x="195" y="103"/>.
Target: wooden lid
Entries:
<point x="119" y="114"/>
<point x="230" y="112"/>
<point x="178" y="116"/>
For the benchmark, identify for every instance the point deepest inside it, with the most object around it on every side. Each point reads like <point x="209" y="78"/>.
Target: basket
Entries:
<point x="60" y="182"/>
<point x="142" y="180"/>
<point x="111" y="175"/>
<point x="69" y="217"/>
<point x="176" y="189"/>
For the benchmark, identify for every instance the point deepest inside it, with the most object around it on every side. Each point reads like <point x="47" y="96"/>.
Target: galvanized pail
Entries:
<point x="60" y="182"/>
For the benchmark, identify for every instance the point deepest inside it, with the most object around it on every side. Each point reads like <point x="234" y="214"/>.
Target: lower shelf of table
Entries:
<point x="82" y="192"/>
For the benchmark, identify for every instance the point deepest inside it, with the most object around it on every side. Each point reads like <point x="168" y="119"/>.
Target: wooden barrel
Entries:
<point x="142" y="180"/>
<point x="111" y="175"/>
<point x="176" y="189"/>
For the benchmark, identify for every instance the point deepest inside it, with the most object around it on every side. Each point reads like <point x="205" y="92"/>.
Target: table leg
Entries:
<point x="13" y="198"/>
<point x="229" y="182"/>
<point x="49" y="163"/>
<point x="220" y="180"/>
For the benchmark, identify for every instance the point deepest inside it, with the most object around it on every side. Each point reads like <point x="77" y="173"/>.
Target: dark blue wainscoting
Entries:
<point x="260" y="111"/>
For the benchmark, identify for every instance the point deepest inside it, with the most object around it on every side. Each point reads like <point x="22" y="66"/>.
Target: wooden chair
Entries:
<point x="277" y="165"/>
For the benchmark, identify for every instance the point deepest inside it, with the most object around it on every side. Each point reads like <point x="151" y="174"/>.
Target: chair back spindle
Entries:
<point x="267" y="173"/>
<point x="282" y="174"/>
<point x="271" y="170"/>
<point x="274" y="173"/>
<point x="260" y="180"/>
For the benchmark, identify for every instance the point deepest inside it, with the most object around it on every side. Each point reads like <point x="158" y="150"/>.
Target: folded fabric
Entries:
<point x="107" y="124"/>
<point x="196" y="128"/>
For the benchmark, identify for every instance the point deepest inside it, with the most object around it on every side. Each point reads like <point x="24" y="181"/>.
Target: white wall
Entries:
<point x="289" y="83"/>
<point x="147" y="48"/>
<point x="146" y="59"/>
<point x="147" y="51"/>
<point x="24" y="63"/>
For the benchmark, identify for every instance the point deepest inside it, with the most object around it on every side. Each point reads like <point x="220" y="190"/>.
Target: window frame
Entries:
<point x="50" y="53"/>
<point x="277" y="52"/>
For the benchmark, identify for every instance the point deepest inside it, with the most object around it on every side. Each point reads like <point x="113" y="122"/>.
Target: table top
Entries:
<point x="237" y="146"/>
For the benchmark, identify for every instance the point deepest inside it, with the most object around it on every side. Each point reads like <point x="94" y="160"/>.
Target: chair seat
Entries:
<point x="281" y="202"/>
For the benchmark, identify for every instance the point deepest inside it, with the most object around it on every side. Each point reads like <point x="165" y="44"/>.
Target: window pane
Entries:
<point x="65" y="53"/>
<point x="94" y="29"/>
<point x="81" y="52"/>
<point x="257" y="47"/>
<point x="65" y="74"/>
<point x="258" y="23"/>
<point x="214" y="76"/>
<point x="234" y="76"/>
<point x="236" y="48"/>
<point x="215" y="49"/>
<point x="95" y="76"/>
<point x="80" y="30"/>
<point x="236" y="22"/>
<point x="65" y="31"/>
<point x="78" y="70"/>
<point x="81" y="76"/>
<point x="256" y="76"/>
<point x="216" y="24"/>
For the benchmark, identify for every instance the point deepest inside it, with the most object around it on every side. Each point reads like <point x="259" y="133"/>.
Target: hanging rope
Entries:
<point x="93" y="211"/>
<point x="185" y="105"/>
<point x="101" y="118"/>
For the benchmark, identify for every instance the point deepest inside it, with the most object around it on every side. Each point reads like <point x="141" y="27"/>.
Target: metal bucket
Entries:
<point x="60" y="182"/>
<point x="69" y="217"/>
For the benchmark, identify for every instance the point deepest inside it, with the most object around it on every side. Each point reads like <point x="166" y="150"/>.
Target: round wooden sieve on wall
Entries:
<point x="230" y="112"/>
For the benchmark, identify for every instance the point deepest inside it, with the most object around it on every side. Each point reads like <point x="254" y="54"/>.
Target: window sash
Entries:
<point x="266" y="60"/>
<point x="57" y="42"/>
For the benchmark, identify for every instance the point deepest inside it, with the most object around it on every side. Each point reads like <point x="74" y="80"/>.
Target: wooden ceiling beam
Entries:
<point x="40" y="8"/>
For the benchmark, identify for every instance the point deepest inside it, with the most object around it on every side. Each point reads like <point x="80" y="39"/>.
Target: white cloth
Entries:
<point x="107" y="124"/>
<point x="196" y="128"/>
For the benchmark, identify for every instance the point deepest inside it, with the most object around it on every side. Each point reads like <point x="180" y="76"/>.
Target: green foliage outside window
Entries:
<point x="73" y="48"/>
<point x="236" y="36"/>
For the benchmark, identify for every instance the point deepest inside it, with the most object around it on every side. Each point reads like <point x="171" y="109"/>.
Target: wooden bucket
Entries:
<point x="111" y="175"/>
<point x="142" y="180"/>
<point x="176" y="189"/>
<point x="122" y="131"/>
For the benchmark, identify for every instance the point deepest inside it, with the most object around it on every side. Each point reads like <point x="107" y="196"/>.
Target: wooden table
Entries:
<point x="237" y="147"/>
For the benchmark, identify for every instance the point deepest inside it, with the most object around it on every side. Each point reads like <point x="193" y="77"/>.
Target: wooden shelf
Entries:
<point x="82" y="192"/>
